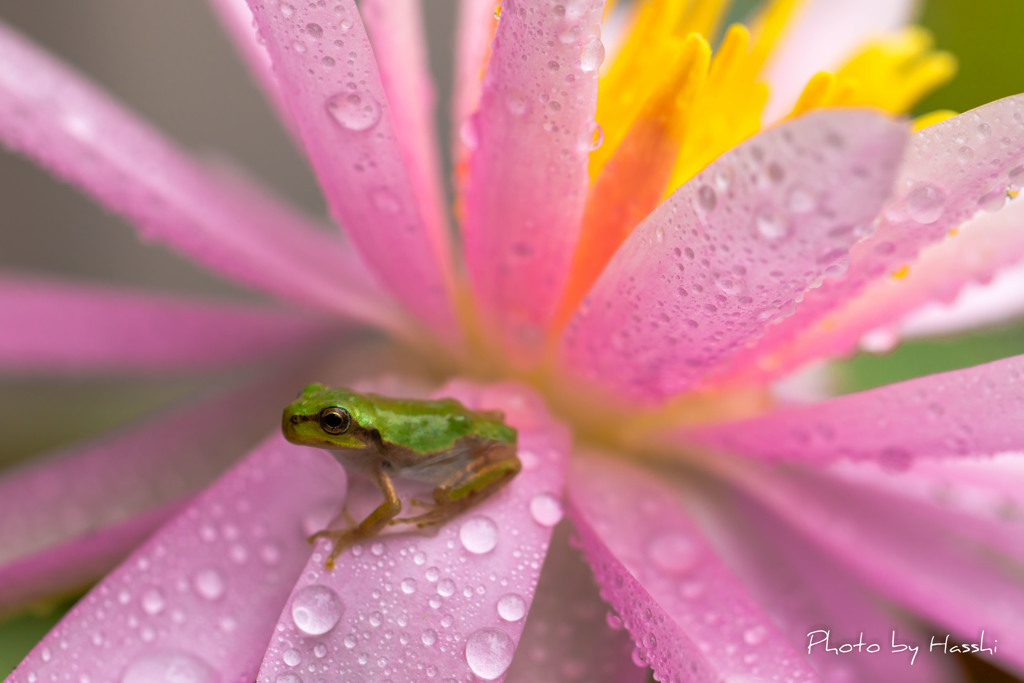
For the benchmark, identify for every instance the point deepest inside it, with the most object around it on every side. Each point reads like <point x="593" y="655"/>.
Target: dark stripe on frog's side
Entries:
<point x="431" y="467"/>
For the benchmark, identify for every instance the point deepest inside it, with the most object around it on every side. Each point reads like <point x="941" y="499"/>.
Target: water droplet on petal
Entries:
<point x="356" y="111"/>
<point x="770" y="225"/>
<point x="153" y="601"/>
<point x="292" y="657"/>
<point x="925" y="202"/>
<point x="592" y="55"/>
<point x="545" y="509"/>
<point x="445" y="588"/>
<point x="706" y="199"/>
<point x="429" y="637"/>
<point x="288" y="678"/>
<point x="755" y="635"/>
<point x="209" y="583"/>
<point x="287" y="10"/>
<point x="800" y="200"/>
<point x="479" y="535"/>
<point x="489" y="653"/>
<point x="511" y="607"/>
<point x="316" y="609"/>
<point x="314" y="30"/>
<point x="408" y="586"/>
<point x="180" y="667"/>
<point x="993" y="201"/>
<point x="673" y="552"/>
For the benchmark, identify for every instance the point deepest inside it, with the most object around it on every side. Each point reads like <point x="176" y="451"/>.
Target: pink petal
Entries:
<point x="198" y="601"/>
<point x="952" y="170"/>
<point x="976" y="306"/>
<point x="51" y="114"/>
<point x="807" y="591"/>
<point x="324" y="62"/>
<point x="411" y="607"/>
<point x="396" y="29"/>
<point x="476" y="25"/>
<point x="52" y="327"/>
<point x="973" y="411"/>
<point x="528" y="174"/>
<point x="570" y="635"/>
<point x="90" y="490"/>
<point x="951" y="580"/>
<point x="78" y="562"/>
<point x="733" y="250"/>
<point x="236" y="18"/>
<point x="982" y="247"/>
<point x="824" y="34"/>
<point x="974" y="498"/>
<point x="689" y="615"/>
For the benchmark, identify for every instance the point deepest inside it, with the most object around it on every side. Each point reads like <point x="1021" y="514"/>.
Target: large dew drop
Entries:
<point x="316" y="609"/>
<point x="355" y="111"/>
<point x="489" y="653"/>
<point x="925" y="202"/>
<point x="479" y="535"/>
<point x="179" y="667"/>
<point x="511" y="607"/>
<point x="545" y="509"/>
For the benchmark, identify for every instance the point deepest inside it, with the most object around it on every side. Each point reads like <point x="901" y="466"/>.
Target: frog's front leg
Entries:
<point x="463" y="489"/>
<point x="369" y="527"/>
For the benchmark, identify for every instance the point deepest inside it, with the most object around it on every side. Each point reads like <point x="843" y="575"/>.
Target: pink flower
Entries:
<point x="652" y="288"/>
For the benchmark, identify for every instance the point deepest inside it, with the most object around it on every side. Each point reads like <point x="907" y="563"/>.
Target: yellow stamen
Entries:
<point x="901" y="272"/>
<point x="634" y="179"/>
<point x="931" y="118"/>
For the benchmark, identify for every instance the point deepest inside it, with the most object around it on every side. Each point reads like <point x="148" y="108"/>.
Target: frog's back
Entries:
<point x="431" y="425"/>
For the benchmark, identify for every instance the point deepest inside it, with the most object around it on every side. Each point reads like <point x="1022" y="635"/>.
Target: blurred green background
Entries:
<point x="201" y="96"/>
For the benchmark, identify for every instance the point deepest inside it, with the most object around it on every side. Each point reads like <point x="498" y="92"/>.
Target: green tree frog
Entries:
<point x="466" y="455"/>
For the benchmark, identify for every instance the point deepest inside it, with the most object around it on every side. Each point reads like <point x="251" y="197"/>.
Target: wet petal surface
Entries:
<point x="732" y="251"/>
<point x="536" y="115"/>
<point x="412" y="607"/>
<point x="688" y="614"/>
<point x="570" y="634"/>
<point x="973" y="411"/>
<point x="52" y="326"/>
<point x="77" y="132"/>
<point x="82" y="493"/>
<point x="197" y="603"/>
<point x="953" y="170"/>
<point x="330" y="80"/>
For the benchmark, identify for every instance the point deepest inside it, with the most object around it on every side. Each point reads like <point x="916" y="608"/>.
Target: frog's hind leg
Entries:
<point x="467" y="487"/>
<point x="369" y="527"/>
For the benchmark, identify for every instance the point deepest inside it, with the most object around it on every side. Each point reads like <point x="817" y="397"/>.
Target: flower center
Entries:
<point x="668" y="107"/>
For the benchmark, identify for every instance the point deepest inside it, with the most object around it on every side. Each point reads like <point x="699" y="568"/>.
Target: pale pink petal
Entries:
<point x="410" y="607"/>
<point x="733" y="250"/>
<point x="982" y="247"/>
<point x="689" y="615"/>
<point x="977" y="498"/>
<point x="236" y="18"/>
<point x="476" y="25"/>
<point x="528" y="173"/>
<point x="807" y="593"/>
<point x="822" y="35"/>
<point x="198" y="601"/>
<point x="79" y="562"/>
<point x="973" y="411"/>
<point x="965" y="587"/>
<point x="324" y="62"/>
<point x="570" y="635"/>
<point x="73" y="493"/>
<point x="53" y="326"/>
<point x="996" y="302"/>
<point x="952" y="170"/>
<point x="396" y="29"/>
<point x="53" y="115"/>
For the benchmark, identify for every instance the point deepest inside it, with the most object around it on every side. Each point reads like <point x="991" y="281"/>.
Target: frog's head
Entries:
<point x="335" y="419"/>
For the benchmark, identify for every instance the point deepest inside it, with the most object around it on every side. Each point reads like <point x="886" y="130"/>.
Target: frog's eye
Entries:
<point x="335" y="420"/>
